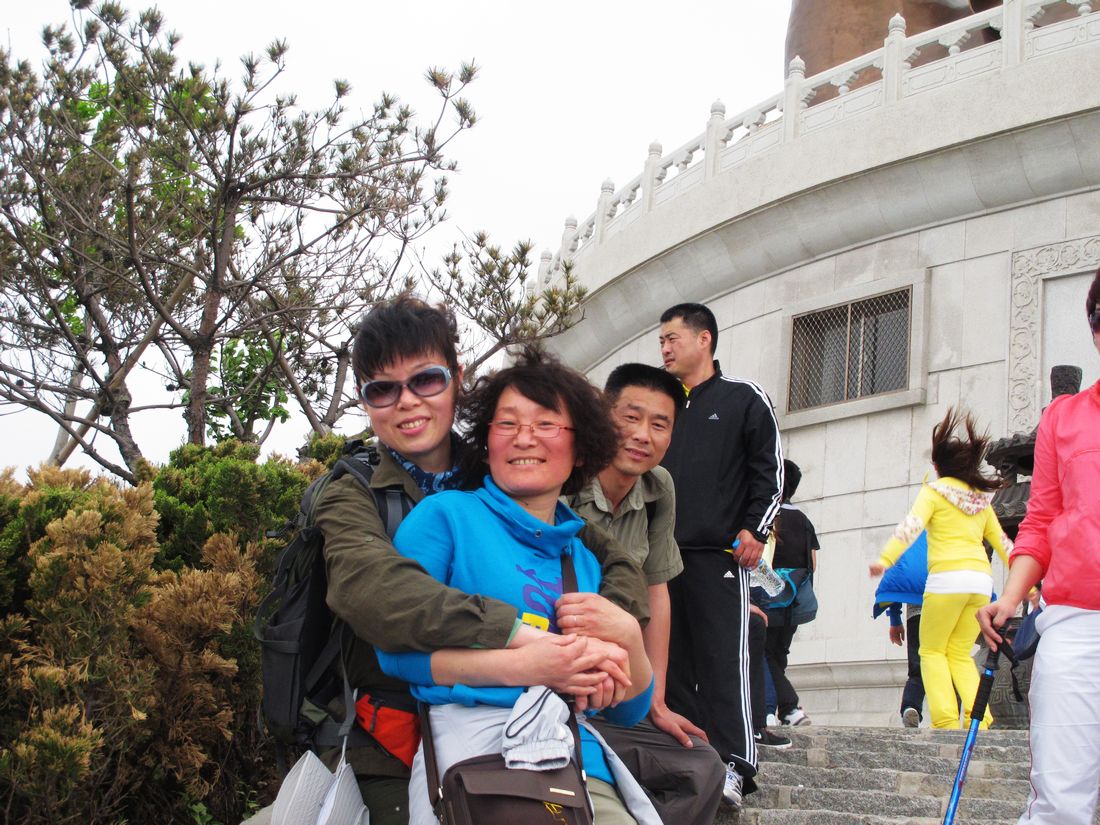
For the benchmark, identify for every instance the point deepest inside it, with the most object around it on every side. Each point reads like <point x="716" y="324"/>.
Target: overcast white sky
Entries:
<point x="570" y="93"/>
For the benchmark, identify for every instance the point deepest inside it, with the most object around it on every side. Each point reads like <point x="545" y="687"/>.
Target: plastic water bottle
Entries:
<point x="763" y="576"/>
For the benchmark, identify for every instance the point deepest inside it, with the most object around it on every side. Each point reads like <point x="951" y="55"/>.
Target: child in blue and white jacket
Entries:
<point x="903" y="584"/>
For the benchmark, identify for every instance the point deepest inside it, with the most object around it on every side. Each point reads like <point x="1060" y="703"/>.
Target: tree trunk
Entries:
<point x="64" y="443"/>
<point x="203" y="344"/>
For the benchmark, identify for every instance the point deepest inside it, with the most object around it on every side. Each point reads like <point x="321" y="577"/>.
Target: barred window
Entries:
<point x="850" y="351"/>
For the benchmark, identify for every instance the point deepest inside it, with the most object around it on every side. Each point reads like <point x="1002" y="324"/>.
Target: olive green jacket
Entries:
<point x="389" y="600"/>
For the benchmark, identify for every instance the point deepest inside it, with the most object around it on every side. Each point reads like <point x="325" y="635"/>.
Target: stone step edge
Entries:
<point x="909" y="783"/>
<point x="763" y="816"/>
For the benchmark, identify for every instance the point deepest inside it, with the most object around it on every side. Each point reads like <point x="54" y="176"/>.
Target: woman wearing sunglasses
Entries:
<point x="537" y="430"/>
<point x="1059" y="543"/>
<point x="406" y="366"/>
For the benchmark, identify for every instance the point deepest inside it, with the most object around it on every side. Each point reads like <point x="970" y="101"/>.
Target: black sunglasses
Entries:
<point x="426" y="383"/>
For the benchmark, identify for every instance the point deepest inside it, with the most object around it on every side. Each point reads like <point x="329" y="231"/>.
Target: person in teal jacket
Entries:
<point x="507" y="540"/>
<point x="903" y="585"/>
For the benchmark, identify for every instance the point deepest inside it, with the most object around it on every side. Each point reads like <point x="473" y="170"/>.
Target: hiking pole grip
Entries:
<point x="985" y="684"/>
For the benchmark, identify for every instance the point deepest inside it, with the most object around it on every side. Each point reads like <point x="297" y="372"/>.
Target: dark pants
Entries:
<point x="757" y="663"/>
<point x="684" y="784"/>
<point x="778" y="647"/>
<point x="708" y="656"/>
<point x="387" y="800"/>
<point x="913" y="694"/>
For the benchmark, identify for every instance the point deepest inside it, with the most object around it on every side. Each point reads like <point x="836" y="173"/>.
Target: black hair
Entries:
<point x="697" y="318"/>
<point x="646" y="377"/>
<point x="542" y="378"/>
<point x="962" y="458"/>
<point x="403" y="327"/>
<point x="1093" y="297"/>
<point x="792" y="475"/>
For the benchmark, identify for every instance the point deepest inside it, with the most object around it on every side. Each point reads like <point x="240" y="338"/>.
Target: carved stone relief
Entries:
<point x="1029" y="268"/>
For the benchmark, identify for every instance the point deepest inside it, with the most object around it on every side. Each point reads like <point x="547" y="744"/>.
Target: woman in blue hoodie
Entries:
<point x="541" y="430"/>
<point x="903" y="584"/>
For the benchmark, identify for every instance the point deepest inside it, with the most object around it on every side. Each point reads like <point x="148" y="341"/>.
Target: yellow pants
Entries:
<point x="948" y="630"/>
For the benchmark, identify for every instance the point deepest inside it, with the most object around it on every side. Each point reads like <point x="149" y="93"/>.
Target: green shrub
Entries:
<point x="23" y="518"/>
<point x="221" y="489"/>
<point x="129" y="678"/>
<point x="325" y="449"/>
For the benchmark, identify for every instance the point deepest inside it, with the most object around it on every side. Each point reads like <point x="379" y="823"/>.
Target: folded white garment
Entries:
<point x="537" y="736"/>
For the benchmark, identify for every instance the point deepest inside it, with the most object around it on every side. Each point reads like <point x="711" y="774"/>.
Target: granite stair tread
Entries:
<point x="886" y="776"/>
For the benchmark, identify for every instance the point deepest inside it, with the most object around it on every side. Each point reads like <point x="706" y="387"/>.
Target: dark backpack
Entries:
<point x="303" y="670"/>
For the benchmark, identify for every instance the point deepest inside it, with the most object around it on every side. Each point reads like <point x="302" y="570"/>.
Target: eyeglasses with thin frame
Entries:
<point x="385" y="392"/>
<point x="540" y="429"/>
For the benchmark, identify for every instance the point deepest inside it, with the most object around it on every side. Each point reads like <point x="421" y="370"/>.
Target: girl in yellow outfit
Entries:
<point x="955" y="511"/>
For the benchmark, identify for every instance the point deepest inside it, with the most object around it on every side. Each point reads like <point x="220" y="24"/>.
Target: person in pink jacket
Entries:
<point x="1059" y="543"/>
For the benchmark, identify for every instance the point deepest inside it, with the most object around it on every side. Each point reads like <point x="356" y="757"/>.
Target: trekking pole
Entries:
<point x="977" y="713"/>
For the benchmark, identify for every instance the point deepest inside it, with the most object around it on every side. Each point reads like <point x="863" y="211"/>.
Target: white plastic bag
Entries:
<point x="303" y="792"/>
<point x="343" y="803"/>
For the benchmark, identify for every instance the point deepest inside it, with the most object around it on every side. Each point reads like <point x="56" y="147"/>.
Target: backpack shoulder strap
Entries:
<point x="359" y="460"/>
<point x="650" y="511"/>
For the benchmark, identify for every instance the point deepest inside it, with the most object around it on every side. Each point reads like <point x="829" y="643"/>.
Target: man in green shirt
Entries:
<point x="634" y="500"/>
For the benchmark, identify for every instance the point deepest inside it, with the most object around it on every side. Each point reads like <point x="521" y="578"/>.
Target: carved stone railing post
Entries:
<point x="712" y="143"/>
<point x="1012" y="32"/>
<point x="569" y="238"/>
<point x="893" y="59"/>
<point x="792" y="97"/>
<point x="543" y="279"/>
<point x="603" y="207"/>
<point x="651" y="176"/>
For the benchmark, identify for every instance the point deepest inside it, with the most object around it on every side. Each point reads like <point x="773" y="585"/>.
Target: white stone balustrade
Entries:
<point x="792" y="114"/>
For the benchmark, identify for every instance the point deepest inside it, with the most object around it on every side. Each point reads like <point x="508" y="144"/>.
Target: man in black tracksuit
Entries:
<point x="727" y="464"/>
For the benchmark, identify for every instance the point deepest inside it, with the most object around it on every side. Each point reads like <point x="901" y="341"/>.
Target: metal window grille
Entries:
<point x="850" y="351"/>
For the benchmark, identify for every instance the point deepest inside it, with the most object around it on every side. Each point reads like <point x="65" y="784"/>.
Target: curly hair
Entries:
<point x="962" y="458"/>
<point x="542" y="378"/>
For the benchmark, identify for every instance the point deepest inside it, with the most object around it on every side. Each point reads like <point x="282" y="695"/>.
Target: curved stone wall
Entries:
<point x="975" y="184"/>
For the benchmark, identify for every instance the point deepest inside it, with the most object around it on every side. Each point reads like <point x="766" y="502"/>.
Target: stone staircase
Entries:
<point x="886" y="776"/>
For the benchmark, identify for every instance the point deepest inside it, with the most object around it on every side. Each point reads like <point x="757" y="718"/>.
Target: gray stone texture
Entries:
<point x="886" y="776"/>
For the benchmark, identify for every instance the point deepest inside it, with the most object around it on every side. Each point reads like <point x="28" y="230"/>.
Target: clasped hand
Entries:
<point x="594" y="672"/>
<point x="607" y="627"/>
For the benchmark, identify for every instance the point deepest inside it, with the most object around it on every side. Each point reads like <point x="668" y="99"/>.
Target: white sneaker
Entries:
<point x="910" y="718"/>
<point x="773" y="721"/>
<point x="796" y="717"/>
<point x="731" y="791"/>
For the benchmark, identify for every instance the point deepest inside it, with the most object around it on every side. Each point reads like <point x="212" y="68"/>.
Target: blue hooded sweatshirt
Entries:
<point x="484" y="542"/>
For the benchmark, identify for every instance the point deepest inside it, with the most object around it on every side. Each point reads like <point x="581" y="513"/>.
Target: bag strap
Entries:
<point x="431" y="765"/>
<point x="569" y="585"/>
<point x="809" y="557"/>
